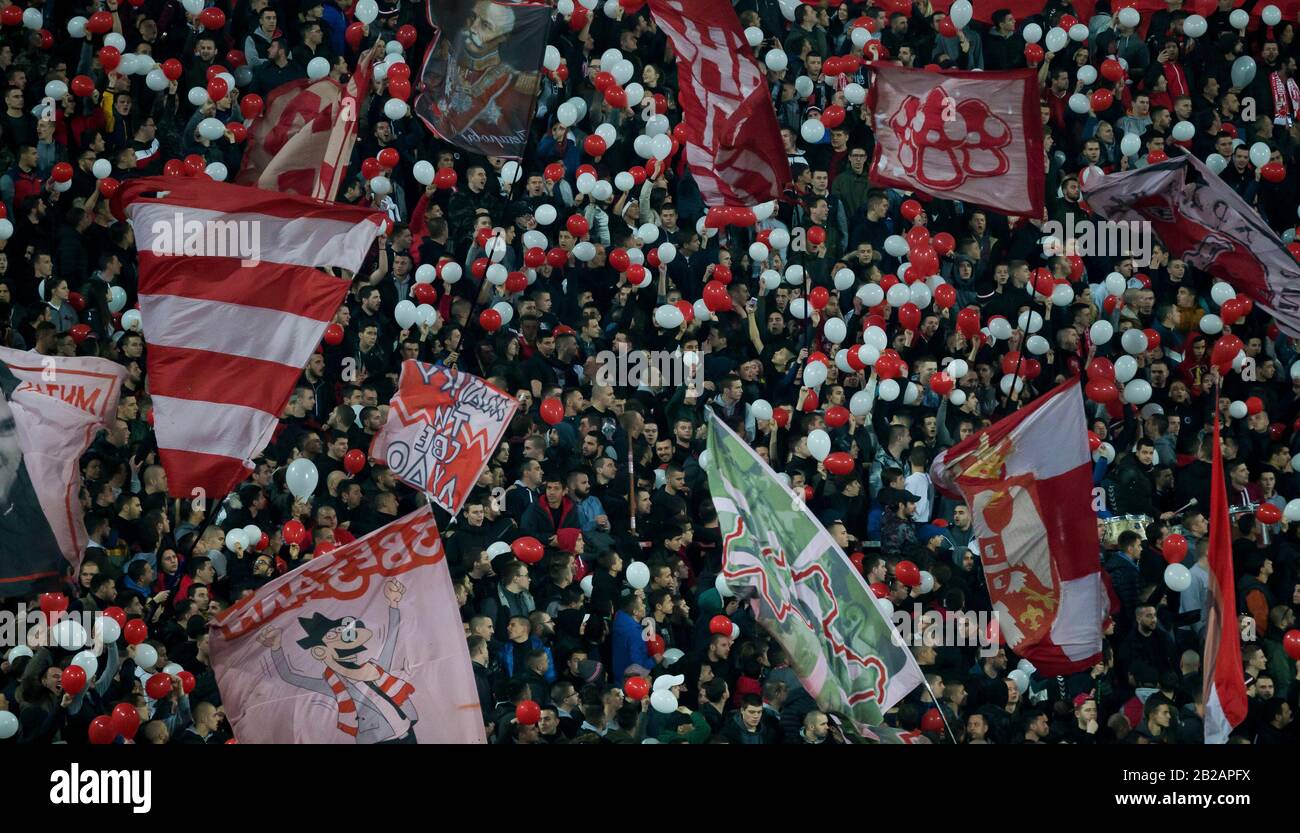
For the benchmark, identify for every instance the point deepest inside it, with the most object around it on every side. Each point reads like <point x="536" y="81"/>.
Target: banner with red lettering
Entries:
<point x="51" y="408"/>
<point x="733" y="144"/>
<point x="971" y="136"/>
<point x="361" y="645"/>
<point x="443" y="427"/>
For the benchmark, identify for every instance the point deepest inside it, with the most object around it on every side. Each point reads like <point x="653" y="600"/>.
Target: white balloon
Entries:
<point x="584" y="251"/>
<point x="1137" y="392"/>
<point x="776" y="60"/>
<point x="898" y="294"/>
<point x="844" y="279"/>
<point x="236" y="540"/>
<point x="1101" y="332"/>
<point x="663" y="701"/>
<point x="585" y="182"/>
<point x="1130" y="145"/>
<point x="1259" y="154"/>
<point x="819" y="444"/>
<point x="544" y="214"/>
<point x="1216" y="163"/>
<point x="855" y="94"/>
<point x="875" y="337"/>
<point x="871" y="294"/>
<point x="68" y="634"/>
<point x="567" y="114"/>
<point x="1126" y="367"/>
<point x="921" y="296"/>
<point x="702" y="311"/>
<point x="450" y="272"/>
<point x="1033" y="33"/>
<point x="1029" y="322"/>
<point x="957" y="368"/>
<point x="1037" y="345"/>
<point x="754" y="36"/>
<point x="1222" y="292"/>
<point x="667" y="253"/>
<point x="56" y="89"/>
<point x="211" y="129"/>
<point x="812" y="131"/>
<point x="252" y="534"/>
<point x="896" y="245"/>
<point x="927" y="582"/>
<point x="1292" y="510"/>
<point x="1078" y="32"/>
<point x="404" y="313"/>
<point x="1239" y="19"/>
<point x="762" y="213"/>
<point x="77" y="27"/>
<point x="888" y="390"/>
<point x="860" y="403"/>
<point x="1133" y="341"/>
<point x="130" y="319"/>
<point x="960" y="12"/>
<point x="668" y="317"/>
<point x="814" y="374"/>
<point x="771" y="279"/>
<point x="506" y="312"/>
<point x="198" y="96"/>
<point x="1177" y="577"/>
<point x="1008" y="382"/>
<point x="761" y="409"/>
<point x="301" y="477"/>
<point x="794" y="275"/>
<point x="1194" y="26"/>
<point x="1271" y="15"/>
<point x="1080" y="103"/>
<point x="87" y="661"/>
<point x="1129" y="17"/>
<point x="216" y="171"/>
<point x="622" y="72"/>
<point x="1021" y="680"/>
<point x="146" y="656"/>
<point x="957" y="397"/>
<point x="318" y="68"/>
<point x="381" y="185"/>
<point x="1087" y="74"/>
<point x="551" y="60"/>
<point x="859" y="37"/>
<point x="586" y="585"/>
<point x="1211" y="324"/>
<point x="423" y="172"/>
<point x="1056" y="39"/>
<point x="835" y="330"/>
<point x="803" y="86"/>
<point x="1238" y="409"/>
<point x="367" y="11"/>
<point x="638" y="575"/>
<point x="1183" y="131"/>
<point x="624" y="181"/>
<point x="118" y="42"/>
<point x="648" y="233"/>
<point x="758" y="252"/>
<point x="101" y="168"/>
<point x="868" y="354"/>
<point x="724" y="589"/>
<point x="1000" y="328"/>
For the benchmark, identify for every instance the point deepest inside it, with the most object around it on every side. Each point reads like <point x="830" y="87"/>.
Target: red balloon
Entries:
<point x="947" y="28"/>
<point x="908" y="573"/>
<point x="1101" y="368"/>
<point x="490" y="320"/>
<point x="1225" y="350"/>
<point x="212" y="18"/>
<point x="82" y="85"/>
<point x="101" y="730"/>
<point x="528" y="549"/>
<point x="135" y="631"/>
<point x="932" y="720"/>
<point x="218" y="88"/>
<point x="370" y="167"/>
<point x="879" y="589"/>
<point x="1254" y="405"/>
<point x="528" y="713"/>
<point x="53" y="603"/>
<point x="968" y="320"/>
<point x="73" y="680"/>
<point x="720" y="624"/>
<point x="554" y="172"/>
<point x="944" y="243"/>
<point x="116" y="614"/>
<point x="158" y="686"/>
<point x="236" y="58"/>
<point x="80" y="332"/>
<point x="617" y="258"/>
<point x="125" y="720"/>
<point x="594" y="145"/>
<point x="1268" y="514"/>
<point x="1011" y="362"/>
<point x="910" y="209"/>
<point x="1273" y="172"/>
<point x="98" y="24"/>
<point x="819" y="297"/>
<point x="551" y="410"/>
<point x="909" y="316"/>
<point x="838" y="415"/>
<point x="1153" y="338"/>
<point x="237" y="131"/>
<point x="108" y="186"/>
<point x="354" y="33"/>
<point x="715" y="297"/>
<point x="1102" y="100"/>
<point x="616" y="97"/>
<point x="294" y="532"/>
<point x="406" y="35"/>
<point x="781" y="416"/>
<point x="1112" y="69"/>
<point x="173" y="69"/>
<point x="1291" y="644"/>
<point x="636" y="688"/>
<point x="354" y="461"/>
<point x="109" y="56"/>
<point x="334" y="335"/>
<point x="557" y="258"/>
<point x="445" y="178"/>
<point x="816" y="235"/>
<point x="941" y="383"/>
<point x="687" y="310"/>
<point x="833" y="116"/>
<point x="388" y="158"/>
<point x="194" y="165"/>
<point x="1174" y="548"/>
<point x="1102" y="390"/>
<point x="839" y="463"/>
<point x="655" y="645"/>
<point x="187" y="679"/>
<point x="722" y="274"/>
<point x="251" y="105"/>
<point x="1094" y="442"/>
<point x="810" y="401"/>
<point x="1155" y="157"/>
<point x="1034" y="53"/>
<point x="577" y="225"/>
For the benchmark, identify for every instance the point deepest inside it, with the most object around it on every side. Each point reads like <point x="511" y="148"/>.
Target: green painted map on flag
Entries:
<point x="810" y="597"/>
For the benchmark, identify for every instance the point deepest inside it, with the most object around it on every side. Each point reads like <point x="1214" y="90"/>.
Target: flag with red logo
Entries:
<point x="232" y="304"/>
<point x="482" y="73"/>
<point x="361" y="645"/>
<point x="1028" y="482"/>
<point x="970" y="136"/>
<point x="302" y="141"/>
<point x="1206" y="223"/>
<point x="733" y="144"/>
<point x="1223" y="686"/>
<point x="51" y="408"/>
<point x="443" y="427"/>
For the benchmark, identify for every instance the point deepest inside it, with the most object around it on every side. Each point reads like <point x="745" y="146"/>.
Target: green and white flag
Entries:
<point x="809" y="595"/>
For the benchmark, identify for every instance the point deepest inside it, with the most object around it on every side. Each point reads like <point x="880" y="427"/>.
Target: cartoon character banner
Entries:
<point x="482" y="73"/>
<point x="972" y="136"/>
<point x="443" y="426"/>
<point x="361" y="645"/>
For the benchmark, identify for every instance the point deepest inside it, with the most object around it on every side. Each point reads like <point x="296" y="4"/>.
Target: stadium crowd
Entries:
<point x="535" y="632"/>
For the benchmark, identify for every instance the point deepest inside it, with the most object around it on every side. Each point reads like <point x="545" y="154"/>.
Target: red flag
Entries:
<point x="1204" y="222"/>
<point x="302" y="141"/>
<point x="1222" y="684"/>
<point x="733" y="144"/>
<point x="443" y="426"/>
<point x="232" y="305"/>
<point x="360" y="645"/>
<point x="972" y="136"/>
<point x="1028" y="482"/>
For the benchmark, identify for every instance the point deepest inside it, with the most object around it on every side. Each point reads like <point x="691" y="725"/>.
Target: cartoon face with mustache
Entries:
<point x="338" y="643"/>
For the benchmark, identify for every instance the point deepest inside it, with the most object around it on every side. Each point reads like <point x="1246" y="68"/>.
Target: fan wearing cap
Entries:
<point x="897" y="534"/>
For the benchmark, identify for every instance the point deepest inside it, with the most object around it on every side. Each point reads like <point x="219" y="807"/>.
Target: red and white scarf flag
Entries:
<point x="57" y="405"/>
<point x="1286" y="99"/>
<point x="1028" y="482"/>
<point x="302" y="141"/>
<point x="361" y="645"/>
<point x="971" y="136"/>
<point x="1204" y="222"/>
<point x="1222" y="684"/>
<point x="443" y="427"/>
<point x="232" y="303"/>
<point x="733" y="143"/>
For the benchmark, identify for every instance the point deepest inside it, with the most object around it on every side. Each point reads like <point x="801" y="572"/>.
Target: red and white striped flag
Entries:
<point x="733" y="144"/>
<point x="302" y="141"/>
<point x="232" y="304"/>
<point x="1222" y="681"/>
<point x="1028" y="482"/>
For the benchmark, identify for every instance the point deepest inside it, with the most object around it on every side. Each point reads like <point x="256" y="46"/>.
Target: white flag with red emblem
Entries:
<point x="1028" y="482"/>
<point x="302" y="141"/>
<point x="970" y="136"/>
<point x="232" y="304"/>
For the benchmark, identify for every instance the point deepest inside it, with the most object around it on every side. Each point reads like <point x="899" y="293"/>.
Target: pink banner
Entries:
<point x="972" y="136"/>
<point x="361" y="645"/>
